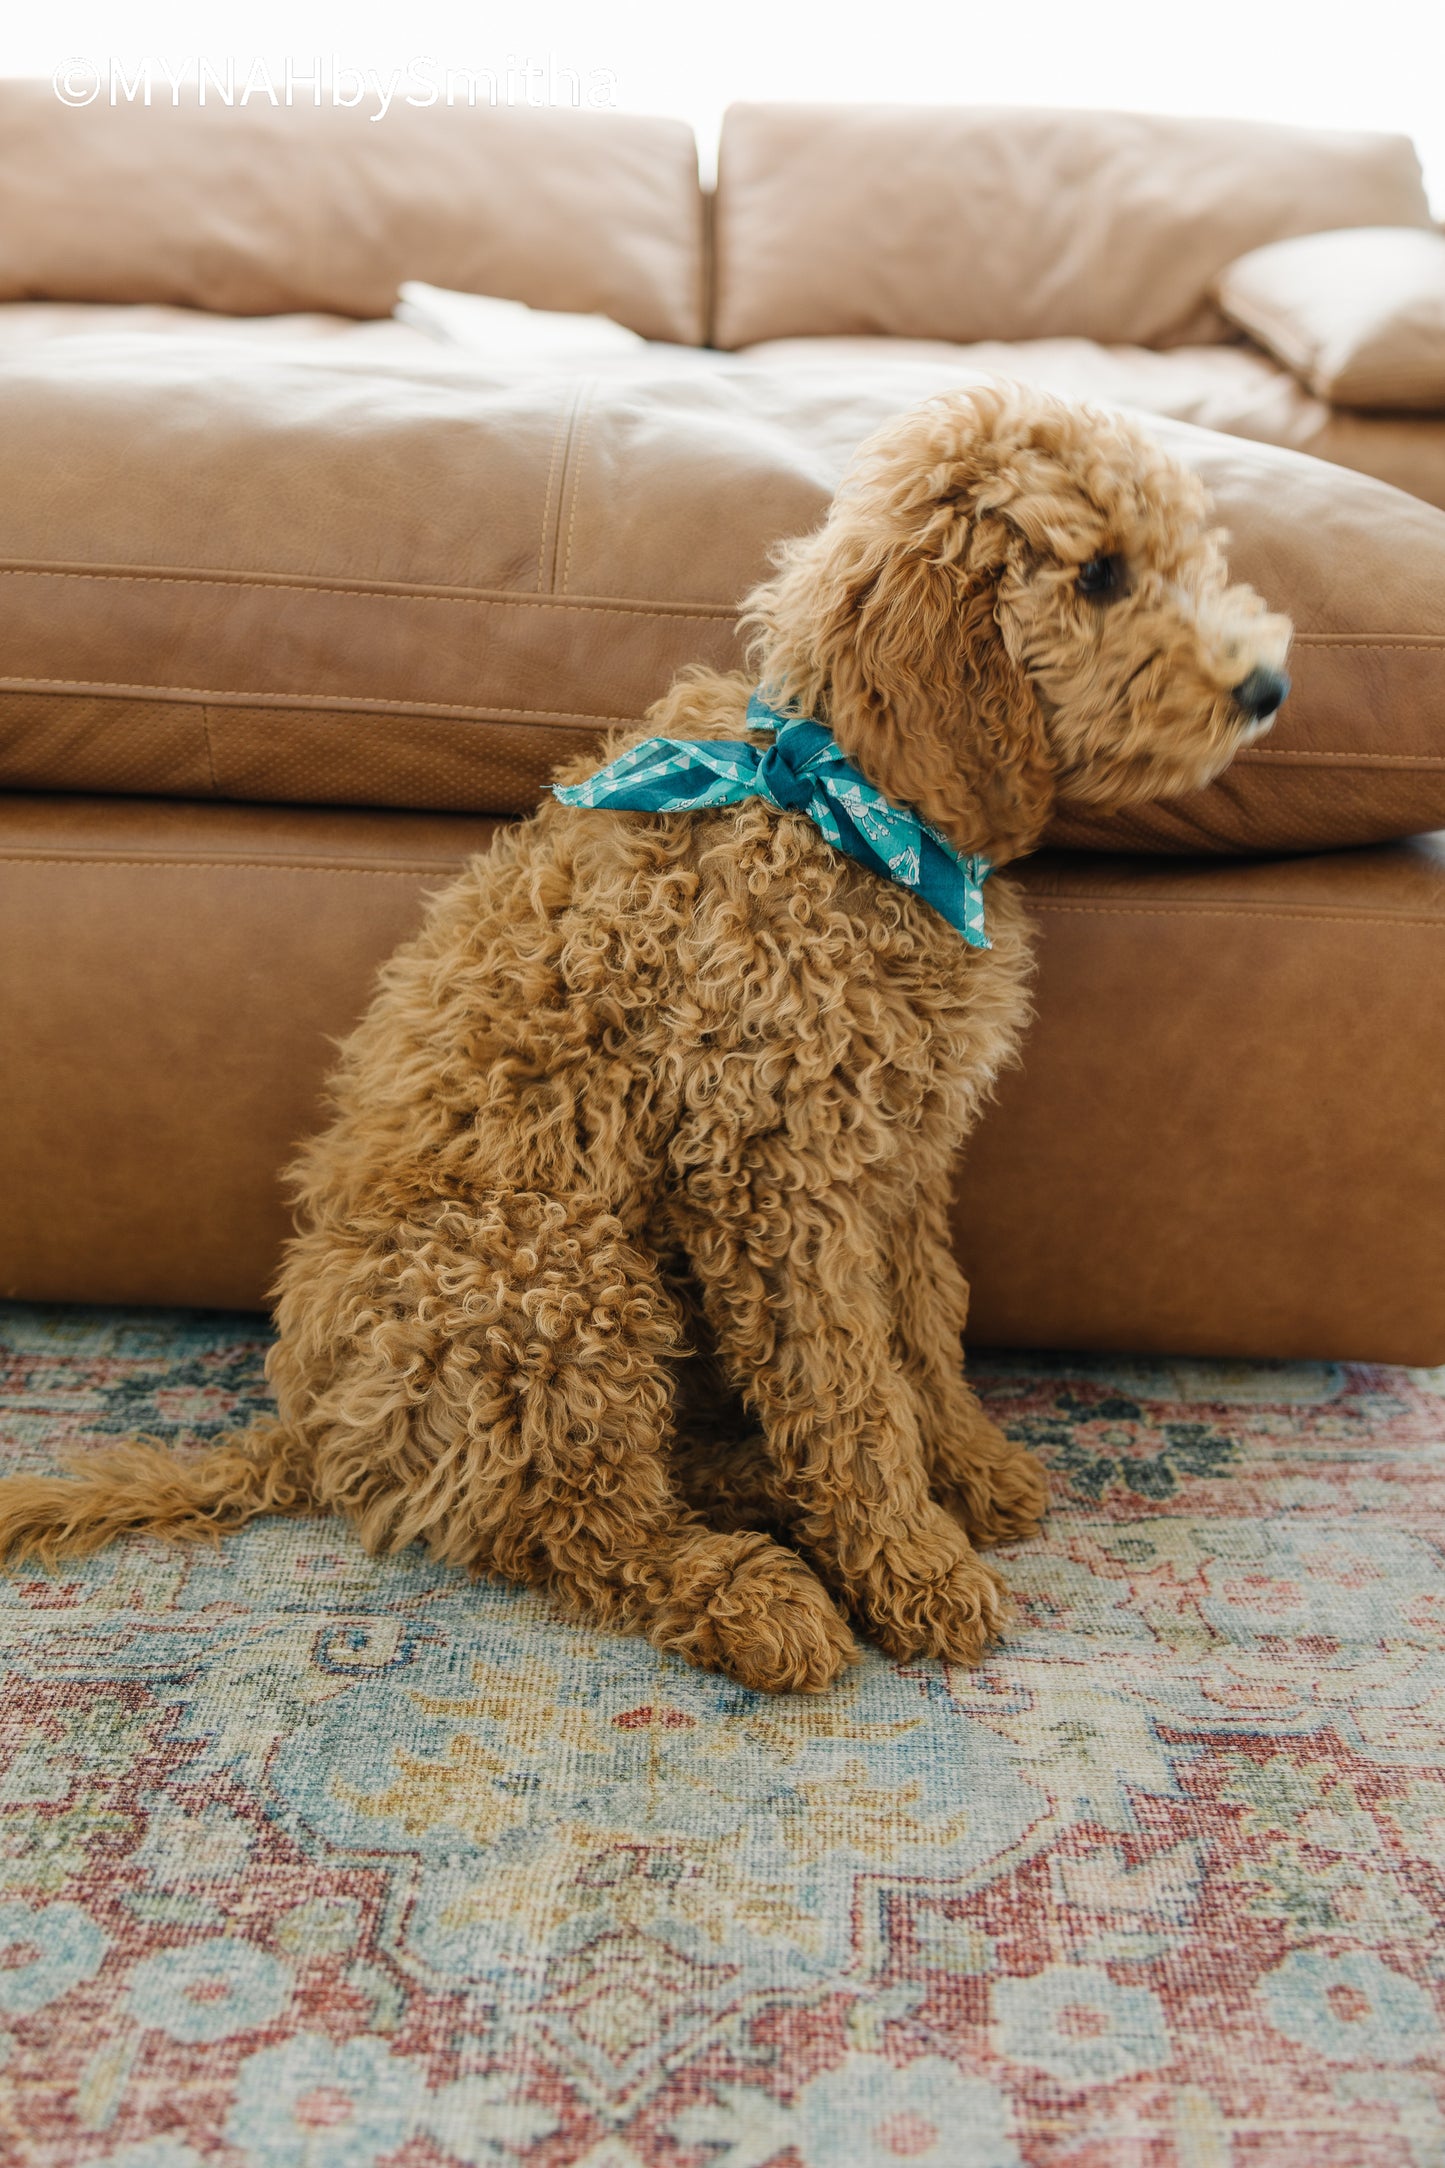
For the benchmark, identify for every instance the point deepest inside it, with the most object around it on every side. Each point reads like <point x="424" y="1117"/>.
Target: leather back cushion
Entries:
<point x="968" y="223"/>
<point x="257" y="211"/>
<point x="427" y="590"/>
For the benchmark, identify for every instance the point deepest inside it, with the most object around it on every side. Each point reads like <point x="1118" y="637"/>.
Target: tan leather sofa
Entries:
<point x="296" y="602"/>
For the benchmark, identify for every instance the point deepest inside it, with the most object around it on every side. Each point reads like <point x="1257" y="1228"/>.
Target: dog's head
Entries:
<point x="1014" y="601"/>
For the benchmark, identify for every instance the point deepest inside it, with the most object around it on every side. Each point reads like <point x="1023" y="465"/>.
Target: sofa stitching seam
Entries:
<point x="209" y="749"/>
<point x="552" y="599"/>
<point x="564" y="418"/>
<point x="230" y="865"/>
<point x="344" y="703"/>
<point x="579" y="461"/>
<point x="1037" y="900"/>
<point x="620" y="607"/>
<point x="1345" y="757"/>
<point x="1034" y="899"/>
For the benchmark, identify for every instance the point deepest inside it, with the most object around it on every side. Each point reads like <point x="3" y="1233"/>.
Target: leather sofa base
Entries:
<point x="1227" y="1136"/>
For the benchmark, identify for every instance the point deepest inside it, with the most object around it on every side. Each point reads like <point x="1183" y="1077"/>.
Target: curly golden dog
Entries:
<point x="623" y="1269"/>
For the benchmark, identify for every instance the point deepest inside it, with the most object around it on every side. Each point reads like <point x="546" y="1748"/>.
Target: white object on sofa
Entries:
<point x="509" y="330"/>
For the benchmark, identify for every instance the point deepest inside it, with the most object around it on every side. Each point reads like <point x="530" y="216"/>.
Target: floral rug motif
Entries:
<point x="316" y="1861"/>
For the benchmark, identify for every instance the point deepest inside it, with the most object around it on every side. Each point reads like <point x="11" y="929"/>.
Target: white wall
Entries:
<point x="1372" y="63"/>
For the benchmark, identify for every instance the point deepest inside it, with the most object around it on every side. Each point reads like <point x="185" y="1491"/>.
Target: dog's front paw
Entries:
<point x="747" y="1606"/>
<point x="929" y="1595"/>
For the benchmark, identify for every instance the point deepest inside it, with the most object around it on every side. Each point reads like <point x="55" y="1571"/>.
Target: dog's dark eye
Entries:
<point x="1101" y="576"/>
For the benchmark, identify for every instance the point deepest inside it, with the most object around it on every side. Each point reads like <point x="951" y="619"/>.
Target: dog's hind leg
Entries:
<point x="732" y="1482"/>
<point x="500" y="1388"/>
<point x="993" y="1487"/>
<point x="719" y="1458"/>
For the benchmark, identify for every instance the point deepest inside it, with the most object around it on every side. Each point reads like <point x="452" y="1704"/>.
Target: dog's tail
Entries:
<point x="142" y="1487"/>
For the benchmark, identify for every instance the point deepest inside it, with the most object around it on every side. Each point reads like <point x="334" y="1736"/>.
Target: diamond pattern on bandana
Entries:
<point x="803" y="770"/>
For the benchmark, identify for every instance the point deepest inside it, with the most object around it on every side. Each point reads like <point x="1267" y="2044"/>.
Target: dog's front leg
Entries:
<point x="996" y="1489"/>
<point x="799" y="1311"/>
<point x="497" y="1383"/>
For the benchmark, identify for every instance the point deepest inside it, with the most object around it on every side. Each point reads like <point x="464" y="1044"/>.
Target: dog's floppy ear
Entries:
<point x="885" y="621"/>
<point x="925" y="700"/>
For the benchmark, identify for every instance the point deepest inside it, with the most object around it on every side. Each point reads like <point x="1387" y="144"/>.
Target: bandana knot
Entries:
<point x="804" y="770"/>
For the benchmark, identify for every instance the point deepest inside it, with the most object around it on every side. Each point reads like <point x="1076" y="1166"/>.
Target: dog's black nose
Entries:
<point x="1261" y="693"/>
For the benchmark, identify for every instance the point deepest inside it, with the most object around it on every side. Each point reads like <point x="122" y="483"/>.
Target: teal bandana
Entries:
<point x="802" y="771"/>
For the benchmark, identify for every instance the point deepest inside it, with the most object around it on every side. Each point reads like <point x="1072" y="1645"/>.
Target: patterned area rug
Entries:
<point x="315" y="1862"/>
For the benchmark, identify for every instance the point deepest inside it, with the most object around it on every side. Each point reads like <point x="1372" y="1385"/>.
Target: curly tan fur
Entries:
<point x="623" y="1268"/>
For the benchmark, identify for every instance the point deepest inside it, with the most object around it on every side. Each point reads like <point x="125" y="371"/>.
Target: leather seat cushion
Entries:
<point x="273" y="574"/>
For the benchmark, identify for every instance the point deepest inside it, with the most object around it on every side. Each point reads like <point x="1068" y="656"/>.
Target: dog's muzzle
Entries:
<point x="1260" y="696"/>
